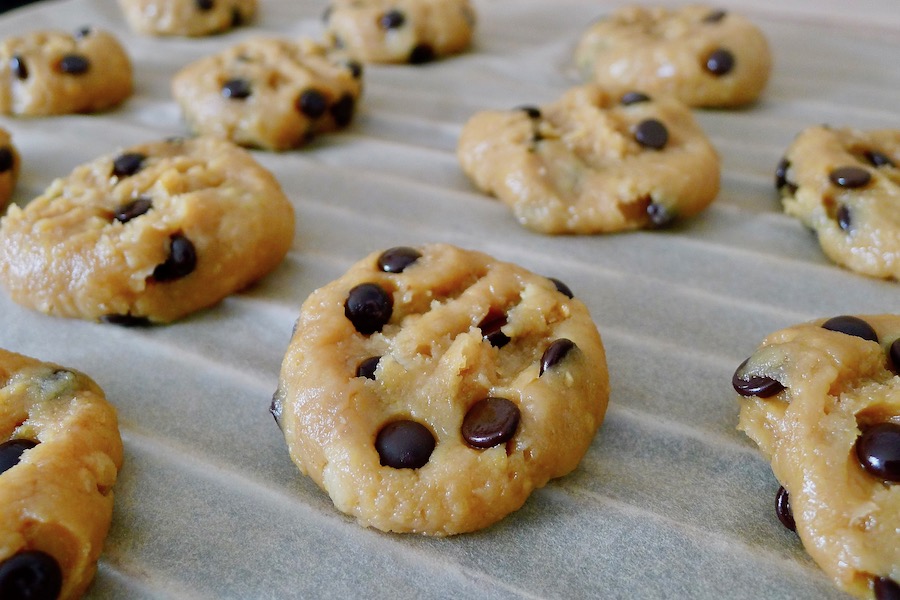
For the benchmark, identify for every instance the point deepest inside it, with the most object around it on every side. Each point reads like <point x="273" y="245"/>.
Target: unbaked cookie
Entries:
<point x="822" y="400"/>
<point x="702" y="56"/>
<point x="269" y="93"/>
<point x="431" y="389"/>
<point x="186" y="17"/>
<point x="147" y="235"/>
<point x="593" y="162"/>
<point x="60" y="452"/>
<point x="9" y="167"/>
<point x="845" y="185"/>
<point x="53" y="73"/>
<point x="400" y="31"/>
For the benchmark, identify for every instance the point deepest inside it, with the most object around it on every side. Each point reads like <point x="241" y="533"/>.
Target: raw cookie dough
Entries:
<point x="269" y="93"/>
<point x="593" y="162"/>
<point x="151" y="234"/>
<point x="54" y="72"/>
<point x="400" y="31"/>
<point x="60" y="452"/>
<point x="431" y="389"/>
<point x="702" y="56"/>
<point x="9" y="168"/>
<point x="845" y="185"/>
<point x="186" y="17"/>
<point x="822" y="400"/>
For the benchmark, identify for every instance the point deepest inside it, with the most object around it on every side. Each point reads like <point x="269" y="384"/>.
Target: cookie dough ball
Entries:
<point x="400" y="31"/>
<point x="845" y="185"/>
<point x="9" y="167"/>
<point x="431" y="389"/>
<point x="702" y="56"/>
<point x="822" y="401"/>
<point x="151" y="234"/>
<point x="593" y="162"/>
<point x="60" y="453"/>
<point x="186" y="17"/>
<point x="53" y="73"/>
<point x="269" y="93"/>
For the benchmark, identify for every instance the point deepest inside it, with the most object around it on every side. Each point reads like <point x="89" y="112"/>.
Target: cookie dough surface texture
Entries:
<point x="269" y="93"/>
<point x="845" y="185"/>
<point x="150" y="234"/>
<point x="186" y="17"/>
<point x="9" y="168"/>
<point x="822" y="401"/>
<point x="702" y="56"/>
<point x="432" y="389"/>
<point x="60" y="452"/>
<point x="593" y="162"/>
<point x="400" y="31"/>
<point x="54" y="72"/>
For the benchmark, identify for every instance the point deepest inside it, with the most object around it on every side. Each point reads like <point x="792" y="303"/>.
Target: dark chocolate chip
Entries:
<point x="490" y="422"/>
<point x="236" y="89"/>
<point x="396" y="259"/>
<point x="783" y="509"/>
<point x="355" y="68"/>
<point x="83" y="32"/>
<point x="720" y="62"/>
<point x="754" y="385"/>
<point x="421" y="54"/>
<point x="181" y="262"/>
<point x="126" y="165"/>
<point x="554" y="353"/>
<point x="30" y="575"/>
<point x="312" y="103"/>
<point x="490" y="330"/>
<point x="7" y="159"/>
<point x="561" y="287"/>
<point x="126" y="320"/>
<point x="533" y="112"/>
<point x="850" y="177"/>
<point x="74" y="64"/>
<point x="367" y="367"/>
<point x="11" y="452"/>
<point x="781" y="173"/>
<point x="660" y="215"/>
<point x="18" y="67"/>
<point x="343" y="110"/>
<point x="629" y="98"/>
<point x="368" y="307"/>
<point x="851" y="326"/>
<point x="894" y="355"/>
<point x="878" y="451"/>
<point x="134" y="209"/>
<point x="404" y="445"/>
<point x="715" y="16"/>
<point x="885" y="588"/>
<point x="392" y="19"/>
<point x="651" y="133"/>
<point x="879" y="159"/>
<point x="843" y="217"/>
<point x="276" y="407"/>
<point x="204" y="5"/>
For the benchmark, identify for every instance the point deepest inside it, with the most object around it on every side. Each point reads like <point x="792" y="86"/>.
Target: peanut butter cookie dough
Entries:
<point x="151" y="234"/>
<point x="9" y="168"/>
<point x="54" y="72"/>
<point x="845" y="185"/>
<point x="269" y="93"/>
<point x="186" y="17"/>
<point x="60" y="453"/>
<point x="432" y="389"/>
<point x="702" y="56"/>
<point x="593" y="162"/>
<point x="822" y="401"/>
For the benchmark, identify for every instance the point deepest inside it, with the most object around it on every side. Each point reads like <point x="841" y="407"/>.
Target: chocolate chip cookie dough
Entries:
<point x="702" y="56"/>
<point x="150" y="234"/>
<point x="60" y="452"/>
<point x="54" y="72"/>
<point x="9" y="168"/>
<point x="845" y="185"/>
<point x="269" y="93"/>
<point x="432" y="389"/>
<point x="186" y="17"/>
<point x="593" y="162"/>
<point x="822" y="401"/>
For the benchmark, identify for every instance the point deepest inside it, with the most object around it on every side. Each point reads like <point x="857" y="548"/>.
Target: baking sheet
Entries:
<point x="670" y="501"/>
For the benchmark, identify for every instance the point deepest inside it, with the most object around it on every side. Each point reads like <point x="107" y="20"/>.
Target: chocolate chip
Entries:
<point x="421" y="54"/>
<point x="368" y="307"/>
<point x="490" y="330"/>
<point x="660" y="215"/>
<point x="276" y="407"/>
<point x="181" y="262"/>
<point x="134" y="209"/>
<point x="561" y="287"/>
<point x="781" y="173"/>
<point x="343" y="109"/>
<point x="629" y="98"/>
<point x="236" y="89"/>
<point x="878" y="159"/>
<point x="367" y="367"/>
<point x="533" y="112"/>
<point x="715" y="16"/>
<point x="74" y="64"/>
<point x="312" y="103"/>
<point x="392" y="19"/>
<point x="237" y="18"/>
<point x="651" y="133"/>
<point x="851" y="326"/>
<point x="850" y="177"/>
<point x="126" y="165"/>
<point x="404" y="445"/>
<point x="554" y="353"/>
<point x="843" y="217"/>
<point x="204" y="5"/>
<point x="82" y="32"/>
<point x="126" y="320"/>
<point x="11" y="452"/>
<point x="894" y="355"/>
<point x="30" y="574"/>
<point x="878" y="451"/>
<point x="754" y="385"/>
<point x="7" y="159"/>
<point x="885" y="588"/>
<point x="396" y="259"/>
<point x="783" y="509"/>
<point x="490" y="422"/>
<point x="355" y="68"/>
<point x="720" y="62"/>
<point x="18" y="67"/>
